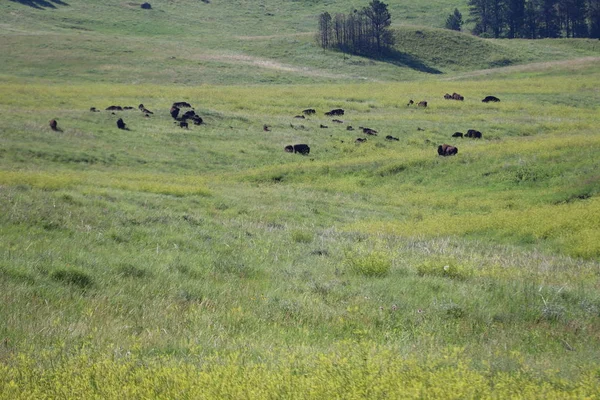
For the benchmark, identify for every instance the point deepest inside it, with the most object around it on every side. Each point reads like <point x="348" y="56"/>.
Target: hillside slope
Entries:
<point x="192" y="42"/>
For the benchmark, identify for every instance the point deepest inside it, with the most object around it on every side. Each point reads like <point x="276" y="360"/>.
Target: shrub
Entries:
<point x="302" y="236"/>
<point x="372" y="264"/>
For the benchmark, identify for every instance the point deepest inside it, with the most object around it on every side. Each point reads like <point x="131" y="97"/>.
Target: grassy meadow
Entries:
<point x="160" y="262"/>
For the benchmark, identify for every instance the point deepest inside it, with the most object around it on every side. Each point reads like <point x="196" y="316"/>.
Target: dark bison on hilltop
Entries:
<point x="457" y="134"/>
<point x="336" y="112"/>
<point x="493" y="99"/>
<point x="447" y="150"/>
<point x="472" y="133"/>
<point x="303" y="149"/>
<point x="120" y="123"/>
<point x="309" y="111"/>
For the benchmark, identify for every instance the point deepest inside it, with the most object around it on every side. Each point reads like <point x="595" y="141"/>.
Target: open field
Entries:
<point x="160" y="262"/>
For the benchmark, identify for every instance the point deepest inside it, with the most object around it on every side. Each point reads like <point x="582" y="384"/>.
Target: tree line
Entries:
<point x="363" y="32"/>
<point x="532" y="19"/>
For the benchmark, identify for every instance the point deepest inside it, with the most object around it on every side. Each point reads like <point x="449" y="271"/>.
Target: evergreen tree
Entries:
<point x="454" y="21"/>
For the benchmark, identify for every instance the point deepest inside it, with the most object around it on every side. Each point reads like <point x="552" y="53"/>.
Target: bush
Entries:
<point x="372" y="264"/>
<point x="302" y="236"/>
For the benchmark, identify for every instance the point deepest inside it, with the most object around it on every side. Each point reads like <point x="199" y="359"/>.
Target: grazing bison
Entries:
<point x="53" y="125"/>
<point x="369" y="131"/>
<point x="457" y="134"/>
<point x="323" y="126"/>
<point x="493" y="99"/>
<point x="447" y="150"/>
<point x="309" y="111"/>
<point x="174" y="112"/>
<point x="299" y="116"/>
<point x="183" y="124"/>
<point x="127" y="108"/>
<point x="335" y="112"/>
<point x="114" y="108"/>
<point x="182" y="104"/>
<point x="410" y="102"/>
<point x="120" y="123"/>
<point x="93" y="109"/>
<point x="266" y="128"/>
<point x="337" y="121"/>
<point x="349" y="128"/>
<point x="389" y="137"/>
<point x="146" y="6"/>
<point x="360" y="140"/>
<point x="448" y="96"/>
<point x="422" y="104"/>
<point x="456" y="96"/>
<point x="303" y="149"/>
<point x="472" y="133"/>
<point x="197" y="120"/>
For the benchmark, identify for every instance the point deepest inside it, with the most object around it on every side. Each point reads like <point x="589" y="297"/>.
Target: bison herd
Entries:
<point x="182" y="118"/>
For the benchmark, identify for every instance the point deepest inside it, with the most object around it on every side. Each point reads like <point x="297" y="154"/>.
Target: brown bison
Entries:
<point x="422" y="104"/>
<point x="303" y="149"/>
<point x="493" y="99"/>
<point x="174" y="112"/>
<point x="114" y="108"/>
<point x="309" y="111"/>
<point x="456" y="96"/>
<point x="472" y="133"/>
<point x="335" y="112"/>
<point x="457" y="134"/>
<point x="447" y="150"/>
<point x="120" y="123"/>
<point x="53" y="125"/>
<point x="448" y="96"/>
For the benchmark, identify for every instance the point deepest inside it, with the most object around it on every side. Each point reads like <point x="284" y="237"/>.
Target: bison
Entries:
<point x="336" y="112"/>
<point x="188" y="115"/>
<point x="369" y="131"/>
<point x="183" y="124"/>
<point x="360" y="140"/>
<point x="389" y="137"/>
<point x="422" y="104"/>
<point x="114" y="108"/>
<point x="303" y="149"/>
<point x="120" y="123"/>
<point x="94" y="109"/>
<point x="146" y="6"/>
<point x="457" y="134"/>
<point x="493" y="99"/>
<point x="448" y="96"/>
<point x="323" y="126"/>
<point x="197" y="120"/>
<point x="472" y="133"/>
<point x="447" y="150"/>
<point x="299" y="116"/>
<point x="174" y="112"/>
<point x="349" y="128"/>
<point x="182" y="104"/>
<point x="410" y="102"/>
<point x="456" y="96"/>
<point x="53" y="125"/>
<point x="309" y="111"/>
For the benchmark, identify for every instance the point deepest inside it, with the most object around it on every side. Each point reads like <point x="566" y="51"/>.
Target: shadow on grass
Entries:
<point x="41" y="4"/>
<point x="400" y="59"/>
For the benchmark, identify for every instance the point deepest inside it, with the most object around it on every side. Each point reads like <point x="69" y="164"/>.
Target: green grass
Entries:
<point x="209" y="263"/>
